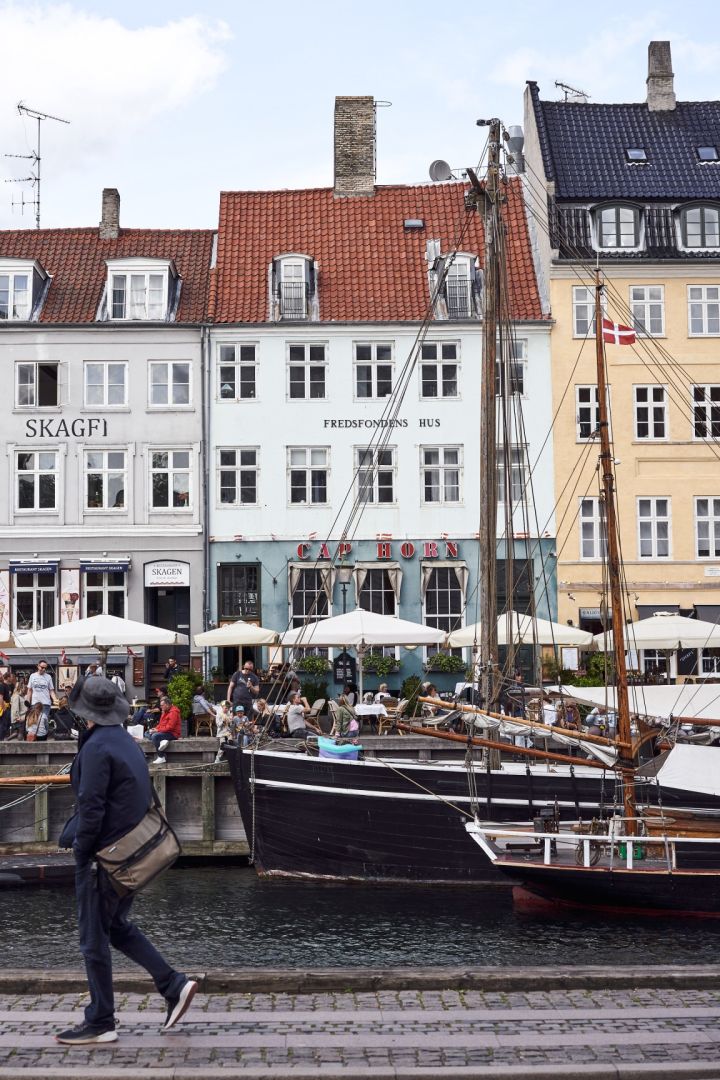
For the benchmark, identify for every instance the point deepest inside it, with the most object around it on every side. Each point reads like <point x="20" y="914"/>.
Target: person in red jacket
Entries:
<point x="168" y="729"/>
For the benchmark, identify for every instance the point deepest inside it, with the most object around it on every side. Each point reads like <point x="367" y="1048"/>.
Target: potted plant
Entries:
<point x="315" y="669"/>
<point x="446" y="662"/>
<point x="380" y="665"/>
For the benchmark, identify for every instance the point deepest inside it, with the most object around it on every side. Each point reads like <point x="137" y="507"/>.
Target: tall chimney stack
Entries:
<point x="354" y="146"/>
<point x="660" y="90"/>
<point x="110" y="221"/>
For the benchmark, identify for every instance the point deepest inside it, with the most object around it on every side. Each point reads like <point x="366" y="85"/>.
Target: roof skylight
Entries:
<point x="707" y="153"/>
<point x="636" y="155"/>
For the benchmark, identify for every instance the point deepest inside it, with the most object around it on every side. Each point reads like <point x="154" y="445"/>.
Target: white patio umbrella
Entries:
<point x="525" y="630"/>
<point x="361" y="630"/>
<point x="667" y="631"/>
<point x="101" y="632"/>
<point x="237" y="633"/>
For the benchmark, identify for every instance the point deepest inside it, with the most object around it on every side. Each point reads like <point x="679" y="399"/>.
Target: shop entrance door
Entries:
<point x="170" y="609"/>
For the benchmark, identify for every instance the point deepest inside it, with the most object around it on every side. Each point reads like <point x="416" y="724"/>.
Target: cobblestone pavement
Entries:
<point x="536" y="1035"/>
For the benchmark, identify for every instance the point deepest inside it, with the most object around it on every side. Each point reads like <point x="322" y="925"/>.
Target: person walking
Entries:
<point x="113" y="792"/>
<point x="42" y="692"/>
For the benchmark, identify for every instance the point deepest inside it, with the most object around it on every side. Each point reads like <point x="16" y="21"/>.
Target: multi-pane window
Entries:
<point x="707" y="528"/>
<point x="703" y="310"/>
<point x="653" y="528"/>
<point x="701" y="227"/>
<point x="516" y="477"/>
<point x="441" y="467"/>
<point x="238" y="476"/>
<point x="583" y="311"/>
<point x="655" y="662"/>
<point x="377" y="593"/>
<point x="34" y="601"/>
<point x="138" y="296"/>
<point x="308" y="473"/>
<point x="373" y="371"/>
<point x="439" y="369"/>
<point x="618" y="227"/>
<point x="593" y="532"/>
<point x="170" y="479"/>
<point x="37" y="385"/>
<point x="236" y="373"/>
<point x="587" y="412"/>
<point x="105" y="383"/>
<point x="647" y="303"/>
<point x="105" y="479"/>
<point x="105" y="593"/>
<point x="444" y="603"/>
<point x="375" y="471"/>
<point x="169" y="383"/>
<point x="239" y="591"/>
<point x="15" y="296"/>
<point x="309" y="602"/>
<point x="293" y="299"/>
<point x="710" y="661"/>
<point x="706" y="411"/>
<point x="458" y="285"/>
<point x="37" y="479"/>
<point x="511" y="369"/>
<point x="650" y="412"/>
<point x="306" y="372"/>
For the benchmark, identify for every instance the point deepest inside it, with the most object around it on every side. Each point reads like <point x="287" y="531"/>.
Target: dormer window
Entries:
<point x="618" y="227"/>
<point x="293" y="288"/>
<point x="141" y="290"/>
<point x="700" y="227"/>
<point x="707" y="153"/>
<point x="21" y="289"/>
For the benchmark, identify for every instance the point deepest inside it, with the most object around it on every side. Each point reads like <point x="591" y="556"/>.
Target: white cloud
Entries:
<point x="115" y="84"/>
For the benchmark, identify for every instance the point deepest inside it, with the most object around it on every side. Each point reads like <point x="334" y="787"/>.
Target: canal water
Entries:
<point x="226" y="917"/>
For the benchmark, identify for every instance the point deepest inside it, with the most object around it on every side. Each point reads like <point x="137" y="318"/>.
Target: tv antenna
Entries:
<point x="35" y="158"/>
<point x="571" y="94"/>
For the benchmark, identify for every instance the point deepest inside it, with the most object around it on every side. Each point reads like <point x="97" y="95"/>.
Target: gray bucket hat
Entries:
<point x="99" y="700"/>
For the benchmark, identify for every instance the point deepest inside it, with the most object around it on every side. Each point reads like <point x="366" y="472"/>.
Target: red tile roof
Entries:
<point x="75" y="259"/>
<point x="371" y="269"/>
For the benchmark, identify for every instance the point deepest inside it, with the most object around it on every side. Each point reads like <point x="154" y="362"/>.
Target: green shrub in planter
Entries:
<point x="182" y="689"/>
<point x="446" y="662"/>
<point x="410" y="690"/>
<point x="313" y="666"/>
<point x="377" y="664"/>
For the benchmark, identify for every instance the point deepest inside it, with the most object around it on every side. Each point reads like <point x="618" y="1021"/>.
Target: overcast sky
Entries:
<point x="174" y="102"/>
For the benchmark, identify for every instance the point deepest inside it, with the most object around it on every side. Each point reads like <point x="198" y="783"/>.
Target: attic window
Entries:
<point x="293" y="287"/>
<point x="413" y="223"/>
<point x="707" y="153"/>
<point x="636" y="155"/>
<point x="141" y="289"/>
<point x="21" y="289"/>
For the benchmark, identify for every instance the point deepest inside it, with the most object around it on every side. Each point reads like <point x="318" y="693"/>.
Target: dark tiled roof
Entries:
<point x="371" y="269"/>
<point x="572" y="234"/>
<point x="75" y="259"/>
<point x="583" y="148"/>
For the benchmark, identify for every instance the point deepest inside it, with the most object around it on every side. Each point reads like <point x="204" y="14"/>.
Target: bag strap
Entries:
<point x="155" y="799"/>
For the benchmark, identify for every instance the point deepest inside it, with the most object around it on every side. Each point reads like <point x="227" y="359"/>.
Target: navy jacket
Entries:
<point x="112" y="788"/>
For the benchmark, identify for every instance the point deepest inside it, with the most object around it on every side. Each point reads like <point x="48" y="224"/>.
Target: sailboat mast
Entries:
<point x="488" y="432"/>
<point x="613" y="554"/>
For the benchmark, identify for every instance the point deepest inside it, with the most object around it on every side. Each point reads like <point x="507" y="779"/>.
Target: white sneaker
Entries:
<point x="164" y="745"/>
<point x="159" y="760"/>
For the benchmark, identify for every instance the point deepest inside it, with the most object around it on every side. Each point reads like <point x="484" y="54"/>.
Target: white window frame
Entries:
<point x="655" y="521"/>
<point x="374" y="363"/>
<point x="518" y="474"/>
<point x="170" y="470"/>
<point x="303" y="463"/>
<point x="617" y="209"/>
<point x="106" y="588"/>
<point x="105" y="365"/>
<point x="37" y="471"/>
<point x="367" y="476"/>
<point x="13" y="276"/>
<point x="702" y="209"/>
<point x="319" y="600"/>
<point x="583" y="308"/>
<point x="171" y="384"/>
<point x="36" y="365"/>
<point x="37" y="591"/>
<point x="444" y="470"/>
<point x="587" y="401"/>
<point x="289" y="266"/>
<point x="703" y="308"/>
<point x="132" y="275"/>
<point x="241" y="356"/>
<point x="438" y="363"/>
<point x="518" y="366"/>
<point x="596" y="532"/>
<point x="705" y="405"/>
<point x="104" y="471"/>
<point x="307" y="363"/>
<point x="459" y="281"/>
<point x="642" y="305"/>
<point x="657" y="399"/>
<point x="239" y="468"/>
<point x="707" y="522"/>
<point x="453" y="620"/>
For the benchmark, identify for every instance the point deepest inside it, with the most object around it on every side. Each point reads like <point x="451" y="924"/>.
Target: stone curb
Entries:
<point x="364" y="980"/>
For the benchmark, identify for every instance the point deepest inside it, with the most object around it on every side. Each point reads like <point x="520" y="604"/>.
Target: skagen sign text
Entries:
<point x="56" y="429"/>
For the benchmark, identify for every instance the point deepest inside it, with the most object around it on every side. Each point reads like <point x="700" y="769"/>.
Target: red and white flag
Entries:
<point x="130" y="652"/>
<point x="616" y="334"/>
<point x="4" y="656"/>
<point x="63" y="657"/>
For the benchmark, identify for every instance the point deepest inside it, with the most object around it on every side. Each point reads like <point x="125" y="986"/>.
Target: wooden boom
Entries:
<point x="544" y="755"/>
<point x="10" y="781"/>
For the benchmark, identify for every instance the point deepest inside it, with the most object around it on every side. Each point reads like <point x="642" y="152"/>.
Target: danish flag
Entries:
<point x="617" y="334"/>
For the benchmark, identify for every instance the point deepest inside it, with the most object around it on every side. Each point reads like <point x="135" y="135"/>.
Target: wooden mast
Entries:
<point x="488" y="432"/>
<point x="614" y="567"/>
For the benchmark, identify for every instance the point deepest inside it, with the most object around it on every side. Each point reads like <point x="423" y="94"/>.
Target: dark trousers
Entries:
<point x="102" y="922"/>
<point x="5" y="724"/>
<point x="156" y="737"/>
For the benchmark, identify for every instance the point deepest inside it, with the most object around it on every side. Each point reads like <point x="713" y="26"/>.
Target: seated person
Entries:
<point x="382" y="694"/>
<point x="428" y="689"/>
<point x="299" y="724"/>
<point x="350" y="693"/>
<point x="169" y="728"/>
<point x="267" y="720"/>
<point x="150" y="714"/>
<point x="201" y="706"/>
<point x="346" y="723"/>
<point x="565" y="719"/>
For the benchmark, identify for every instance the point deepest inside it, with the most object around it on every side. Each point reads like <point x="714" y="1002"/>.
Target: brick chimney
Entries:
<point x="354" y="146"/>
<point x="110" y="221"/>
<point x="660" y="91"/>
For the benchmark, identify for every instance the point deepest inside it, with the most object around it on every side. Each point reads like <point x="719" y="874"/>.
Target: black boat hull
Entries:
<point x="369" y="821"/>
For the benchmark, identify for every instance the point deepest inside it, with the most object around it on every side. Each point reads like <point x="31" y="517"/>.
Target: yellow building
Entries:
<point x="634" y="189"/>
